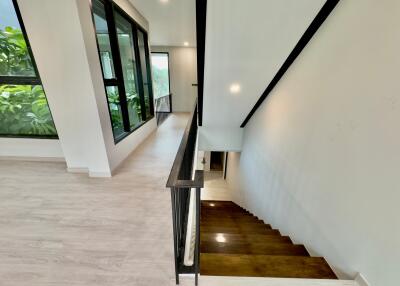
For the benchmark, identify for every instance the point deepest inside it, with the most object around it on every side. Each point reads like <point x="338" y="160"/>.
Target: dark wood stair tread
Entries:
<point x="218" y="203"/>
<point x="245" y="237"/>
<point x="231" y="223"/>
<point x="233" y="229"/>
<point x="265" y="266"/>
<point x="241" y="217"/>
<point x="234" y="242"/>
<point x="232" y="211"/>
<point x="267" y="248"/>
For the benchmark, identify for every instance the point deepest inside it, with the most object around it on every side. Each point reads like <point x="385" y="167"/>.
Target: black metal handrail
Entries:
<point x="180" y="181"/>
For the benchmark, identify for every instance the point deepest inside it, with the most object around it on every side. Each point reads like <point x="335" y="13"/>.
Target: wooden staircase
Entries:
<point x="236" y="243"/>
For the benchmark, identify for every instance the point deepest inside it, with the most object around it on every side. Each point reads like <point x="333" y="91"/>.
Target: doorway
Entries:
<point x="217" y="161"/>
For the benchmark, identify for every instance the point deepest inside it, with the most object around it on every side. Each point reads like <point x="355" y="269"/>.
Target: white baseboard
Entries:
<point x="100" y="174"/>
<point x="361" y="281"/>
<point x="78" y="170"/>
<point x="91" y="174"/>
<point x="32" y="159"/>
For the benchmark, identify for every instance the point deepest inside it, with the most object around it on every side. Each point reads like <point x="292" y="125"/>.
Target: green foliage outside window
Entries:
<point x="24" y="111"/>
<point x="161" y="80"/>
<point x="14" y="56"/>
<point x="23" y="108"/>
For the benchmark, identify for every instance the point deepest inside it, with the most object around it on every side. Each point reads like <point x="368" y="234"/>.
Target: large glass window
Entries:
<point x="130" y="103"/>
<point x="160" y="68"/>
<point x="127" y="51"/>
<point x="24" y="111"/>
<point x="145" y="66"/>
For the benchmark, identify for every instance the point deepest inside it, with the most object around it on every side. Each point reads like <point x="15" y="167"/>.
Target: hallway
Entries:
<point x="62" y="229"/>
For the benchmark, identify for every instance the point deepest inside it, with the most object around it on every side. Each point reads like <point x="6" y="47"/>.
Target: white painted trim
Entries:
<point x="32" y="159"/>
<point x="361" y="281"/>
<point x="30" y="148"/>
<point x="91" y="174"/>
<point x="78" y="170"/>
<point x="100" y="174"/>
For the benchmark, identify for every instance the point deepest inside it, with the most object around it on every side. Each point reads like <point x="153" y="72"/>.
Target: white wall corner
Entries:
<point x="67" y="78"/>
<point x="361" y="281"/>
<point x="116" y="153"/>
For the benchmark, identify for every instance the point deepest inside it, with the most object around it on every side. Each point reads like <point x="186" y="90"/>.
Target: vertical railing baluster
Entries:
<point x="175" y="233"/>
<point x="197" y="246"/>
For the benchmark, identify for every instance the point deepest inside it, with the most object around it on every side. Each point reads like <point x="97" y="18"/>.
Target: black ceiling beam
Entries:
<point x="304" y="40"/>
<point x="201" y="19"/>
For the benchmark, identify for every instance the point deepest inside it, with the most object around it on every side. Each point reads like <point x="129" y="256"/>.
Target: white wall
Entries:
<point x="183" y="73"/>
<point x="59" y="51"/>
<point x="247" y="44"/>
<point x="116" y="152"/>
<point x="64" y="45"/>
<point x="321" y="158"/>
<point x="45" y="149"/>
<point x="220" y="138"/>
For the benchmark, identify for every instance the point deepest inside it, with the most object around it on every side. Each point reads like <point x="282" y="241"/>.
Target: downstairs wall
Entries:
<point x="183" y="73"/>
<point x="320" y="158"/>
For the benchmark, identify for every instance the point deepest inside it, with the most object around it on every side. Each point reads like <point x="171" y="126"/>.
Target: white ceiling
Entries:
<point x="171" y="23"/>
<point x="247" y="42"/>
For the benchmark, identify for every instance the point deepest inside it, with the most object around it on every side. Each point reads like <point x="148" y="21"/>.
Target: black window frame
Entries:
<point x="110" y="8"/>
<point x="26" y="80"/>
<point x="169" y="78"/>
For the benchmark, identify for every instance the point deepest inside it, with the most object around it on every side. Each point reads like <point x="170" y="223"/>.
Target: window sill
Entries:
<point x="125" y="135"/>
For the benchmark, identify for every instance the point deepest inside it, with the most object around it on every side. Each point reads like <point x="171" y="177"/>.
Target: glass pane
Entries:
<point x="160" y="68"/>
<point x="115" y="111"/>
<point x="144" y="57"/>
<point x="127" y="52"/>
<point x="103" y="39"/>
<point x="14" y="56"/>
<point x="24" y="111"/>
<point x="159" y="64"/>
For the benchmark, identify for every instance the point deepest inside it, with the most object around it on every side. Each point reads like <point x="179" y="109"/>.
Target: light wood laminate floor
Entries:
<point x="215" y="187"/>
<point x="67" y="229"/>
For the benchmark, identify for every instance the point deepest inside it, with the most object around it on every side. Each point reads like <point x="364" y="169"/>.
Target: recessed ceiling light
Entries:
<point x="164" y="1"/>
<point x="235" y="88"/>
<point x="186" y="44"/>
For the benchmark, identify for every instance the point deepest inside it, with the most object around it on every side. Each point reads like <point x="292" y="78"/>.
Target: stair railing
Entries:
<point x="182" y="179"/>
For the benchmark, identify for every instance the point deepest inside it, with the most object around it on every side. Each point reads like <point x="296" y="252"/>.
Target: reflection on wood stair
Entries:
<point x="236" y="243"/>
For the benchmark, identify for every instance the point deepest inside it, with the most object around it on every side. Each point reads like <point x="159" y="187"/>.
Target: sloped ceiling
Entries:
<point x="246" y="43"/>
<point x="171" y="23"/>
